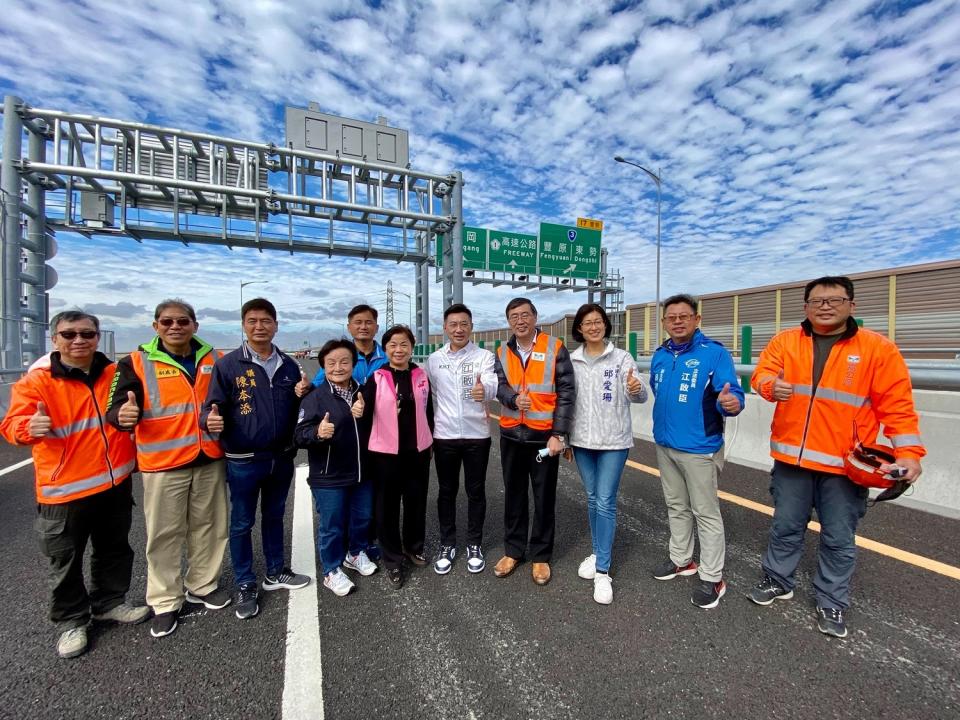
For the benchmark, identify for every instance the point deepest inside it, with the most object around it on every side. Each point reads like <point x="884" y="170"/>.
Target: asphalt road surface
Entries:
<point x="475" y="646"/>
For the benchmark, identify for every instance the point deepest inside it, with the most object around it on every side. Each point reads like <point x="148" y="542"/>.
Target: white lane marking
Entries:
<point x="302" y="672"/>
<point x="17" y="466"/>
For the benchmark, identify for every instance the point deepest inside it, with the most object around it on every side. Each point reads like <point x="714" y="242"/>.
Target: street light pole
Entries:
<point x="656" y="179"/>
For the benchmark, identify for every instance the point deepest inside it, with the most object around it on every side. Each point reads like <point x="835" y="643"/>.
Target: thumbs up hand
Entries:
<point x="129" y="414"/>
<point x="477" y="392"/>
<point x="358" y="405"/>
<point x="782" y="390"/>
<point x="214" y="420"/>
<point x="39" y="425"/>
<point x="728" y="401"/>
<point x="634" y="386"/>
<point x="302" y="387"/>
<point x="325" y="428"/>
<point x="523" y="400"/>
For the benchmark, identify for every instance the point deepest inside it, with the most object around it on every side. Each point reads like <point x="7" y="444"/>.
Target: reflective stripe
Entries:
<point x="900" y="441"/>
<point x="783" y="448"/>
<point x="530" y="415"/>
<point x="840" y="396"/>
<point x="800" y="389"/>
<point x="507" y="412"/>
<point x="503" y="363"/>
<point x="549" y="361"/>
<point x="542" y="387"/>
<point x="124" y="470"/>
<point x="167" y="444"/>
<point x="90" y="423"/>
<point x="206" y="437"/>
<point x="169" y="410"/>
<point x="823" y="458"/>
<point x="150" y="380"/>
<point x="54" y="491"/>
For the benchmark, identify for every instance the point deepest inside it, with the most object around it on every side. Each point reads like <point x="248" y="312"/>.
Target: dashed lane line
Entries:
<point x="16" y="466"/>
<point x="877" y="547"/>
<point x="302" y="671"/>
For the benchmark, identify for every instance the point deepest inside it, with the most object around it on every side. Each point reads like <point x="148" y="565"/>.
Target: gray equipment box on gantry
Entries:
<point x="314" y="131"/>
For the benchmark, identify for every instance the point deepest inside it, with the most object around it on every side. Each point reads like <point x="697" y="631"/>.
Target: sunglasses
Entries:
<point x="72" y="334"/>
<point x="169" y="322"/>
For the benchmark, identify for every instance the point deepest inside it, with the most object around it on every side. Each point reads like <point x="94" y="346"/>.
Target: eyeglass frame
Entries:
<point x="832" y="302"/>
<point x="168" y="322"/>
<point x="71" y="335"/>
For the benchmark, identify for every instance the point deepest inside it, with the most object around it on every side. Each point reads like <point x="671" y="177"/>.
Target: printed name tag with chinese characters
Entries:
<point x="538" y="356"/>
<point x="163" y="372"/>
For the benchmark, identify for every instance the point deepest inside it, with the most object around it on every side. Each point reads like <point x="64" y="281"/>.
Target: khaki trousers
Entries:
<point x="184" y="506"/>
<point x="689" y="483"/>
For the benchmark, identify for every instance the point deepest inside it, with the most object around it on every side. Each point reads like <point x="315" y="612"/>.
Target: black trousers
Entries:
<point x="520" y="472"/>
<point x="63" y="531"/>
<point x="448" y="455"/>
<point x="401" y="479"/>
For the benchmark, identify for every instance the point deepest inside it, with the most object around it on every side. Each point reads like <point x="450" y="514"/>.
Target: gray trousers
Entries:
<point x="689" y="482"/>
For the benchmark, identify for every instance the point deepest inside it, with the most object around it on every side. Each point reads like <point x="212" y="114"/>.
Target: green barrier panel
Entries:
<point x="746" y="354"/>
<point x="481" y="344"/>
<point x="632" y="344"/>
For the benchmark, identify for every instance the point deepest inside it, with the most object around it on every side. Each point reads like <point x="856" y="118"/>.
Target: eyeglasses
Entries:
<point x="180" y="322"/>
<point x="592" y="324"/>
<point x="517" y="317"/>
<point x="833" y="302"/>
<point x="678" y="318"/>
<point x="259" y="321"/>
<point x="72" y="334"/>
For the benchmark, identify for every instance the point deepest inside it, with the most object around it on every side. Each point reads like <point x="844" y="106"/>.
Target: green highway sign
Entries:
<point x="559" y="251"/>
<point x="567" y="251"/>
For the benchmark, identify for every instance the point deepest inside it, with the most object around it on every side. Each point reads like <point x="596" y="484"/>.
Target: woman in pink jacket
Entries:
<point x="398" y="397"/>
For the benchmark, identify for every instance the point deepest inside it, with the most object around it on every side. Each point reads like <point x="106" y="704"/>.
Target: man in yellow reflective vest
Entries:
<point x="83" y="484"/>
<point x="158" y="393"/>
<point x="537" y="395"/>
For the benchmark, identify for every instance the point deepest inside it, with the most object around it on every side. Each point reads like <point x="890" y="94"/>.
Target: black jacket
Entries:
<point x="566" y="388"/>
<point x="338" y="461"/>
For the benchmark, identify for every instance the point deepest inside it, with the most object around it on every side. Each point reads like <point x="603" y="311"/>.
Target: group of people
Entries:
<point x="196" y="424"/>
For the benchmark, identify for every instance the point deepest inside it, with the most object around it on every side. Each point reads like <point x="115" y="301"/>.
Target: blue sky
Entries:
<point x="795" y="138"/>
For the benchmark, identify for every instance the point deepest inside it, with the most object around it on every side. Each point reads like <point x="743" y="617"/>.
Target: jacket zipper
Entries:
<point x="103" y="436"/>
<point x="813" y="393"/>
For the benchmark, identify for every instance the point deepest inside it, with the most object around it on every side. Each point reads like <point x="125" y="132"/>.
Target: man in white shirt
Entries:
<point x="462" y="379"/>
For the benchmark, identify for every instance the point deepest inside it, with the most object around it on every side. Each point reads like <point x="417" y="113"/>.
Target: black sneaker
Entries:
<point x="286" y="579"/>
<point x="395" y="576"/>
<point x="475" y="561"/>
<point x="245" y="604"/>
<point x="417" y="559"/>
<point x="768" y="590"/>
<point x="163" y="624"/>
<point x="708" y="594"/>
<point x="213" y="600"/>
<point x="830" y="622"/>
<point x="668" y="570"/>
<point x="444" y="559"/>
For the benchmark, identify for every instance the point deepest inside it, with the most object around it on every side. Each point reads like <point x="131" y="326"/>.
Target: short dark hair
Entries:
<point x="72" y="316"/>
<point x="457" y="308"/>
<point x="332" y="345"/>
<point x="830" y="280"/>
<point x="357" y="309"/>
<point x="684" y="298"/>
<point x="258" y="304"/>
<point x="175" y="302"/>
<point x="585" y="310"/>
<point x="517" y="302"/>
<point x="398" y="330"/>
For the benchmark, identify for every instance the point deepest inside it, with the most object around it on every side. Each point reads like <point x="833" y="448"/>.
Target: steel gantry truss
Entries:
<point x="101" y="176"/>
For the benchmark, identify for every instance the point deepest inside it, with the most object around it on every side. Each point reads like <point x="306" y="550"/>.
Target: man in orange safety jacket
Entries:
<point x="834" y="384"/>
<point x="83" y="485"/>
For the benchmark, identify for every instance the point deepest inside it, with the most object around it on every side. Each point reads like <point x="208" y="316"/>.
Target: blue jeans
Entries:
<point x="840" y="504"/>
<point x="269" y="480"/>
<point x="343" y="511"/>
<point x="601" y="471"/>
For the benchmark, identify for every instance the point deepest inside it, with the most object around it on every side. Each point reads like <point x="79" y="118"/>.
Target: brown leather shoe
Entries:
<point x="541" y="573"/>
<point x="505" y="566"/>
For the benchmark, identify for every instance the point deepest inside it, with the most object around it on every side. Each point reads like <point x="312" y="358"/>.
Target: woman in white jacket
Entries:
<point x="608" y="380"/>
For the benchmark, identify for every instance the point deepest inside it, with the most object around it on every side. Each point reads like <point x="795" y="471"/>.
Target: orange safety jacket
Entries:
<point x="865" y="382"/>
<point x="169" y="434"/>
<point x="82" y="455"/>
<point x="538" y="378"/>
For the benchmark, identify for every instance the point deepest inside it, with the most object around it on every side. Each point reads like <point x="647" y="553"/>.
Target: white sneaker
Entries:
<point x="588" y="568"/>
<point x="602" y="589"/>
<point x="338" y="583"/>
<point x="361" y="563"/>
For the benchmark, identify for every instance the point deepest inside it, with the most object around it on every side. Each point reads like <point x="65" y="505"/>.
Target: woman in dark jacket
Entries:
<point x="332" y="429"/>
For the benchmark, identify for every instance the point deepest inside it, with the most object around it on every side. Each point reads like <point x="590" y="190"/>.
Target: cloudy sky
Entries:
<point x="794" y="138"/>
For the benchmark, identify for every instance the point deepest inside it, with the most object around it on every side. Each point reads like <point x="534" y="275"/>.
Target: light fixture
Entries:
<point x="469" y="273"/>
<point x="522" y="278"/>
<point x="565" y="281"/>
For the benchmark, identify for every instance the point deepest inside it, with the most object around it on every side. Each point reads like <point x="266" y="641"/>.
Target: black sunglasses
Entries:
<point x="72" y="334"/>
<point x="181" y="321"/>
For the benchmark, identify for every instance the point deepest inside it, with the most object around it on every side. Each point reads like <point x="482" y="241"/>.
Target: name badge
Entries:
<point x="206" y="369"/>
<point x="538" y="356"/>
<point x="167" y="372"/>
